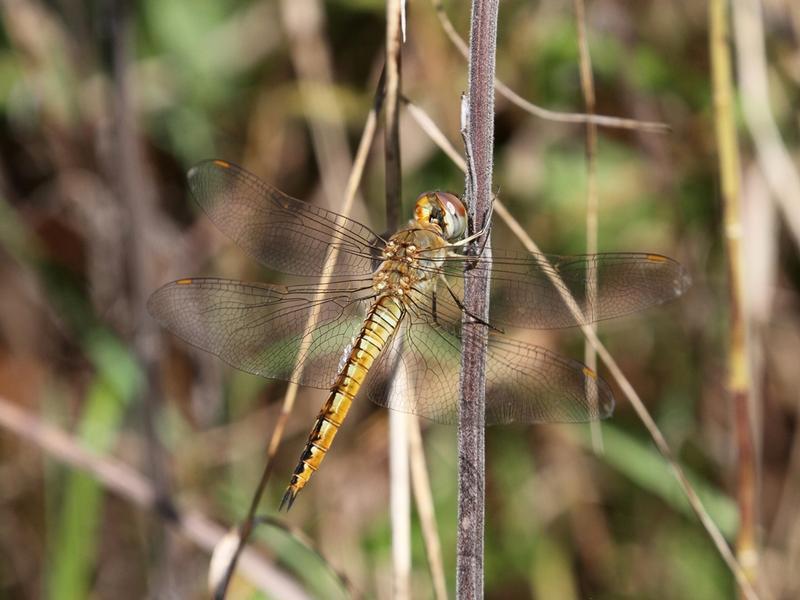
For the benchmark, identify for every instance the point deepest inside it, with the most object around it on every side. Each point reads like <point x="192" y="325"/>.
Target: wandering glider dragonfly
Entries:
<point x="387" y="307"/>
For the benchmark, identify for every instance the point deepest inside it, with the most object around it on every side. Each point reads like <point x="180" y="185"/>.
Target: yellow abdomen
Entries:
<point x="379" y="324"/>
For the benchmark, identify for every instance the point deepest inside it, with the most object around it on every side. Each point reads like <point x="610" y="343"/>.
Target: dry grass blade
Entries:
<point x="592" y="203"/>
<point x="538" y="111"/>
<point x="427" y="515"/>
<point x="739" y="379"/>
<point x="400" y="503"/>
<point x="400" y="494"/>
<point x="392" y="140"/>
<point x="627" y="389"/>
<point x="121" y="479"/>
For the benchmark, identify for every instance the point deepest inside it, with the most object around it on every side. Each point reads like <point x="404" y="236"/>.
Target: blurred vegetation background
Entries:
<point x="104" y="107"/>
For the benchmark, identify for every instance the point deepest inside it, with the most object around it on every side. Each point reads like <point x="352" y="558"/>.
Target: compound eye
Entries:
<point x="455" y="215"/>
<point x="445" y="210"/>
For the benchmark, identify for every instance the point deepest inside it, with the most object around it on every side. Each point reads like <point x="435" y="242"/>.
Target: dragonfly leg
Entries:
<point x="483" y="233"/>
<point x="463" y="308"/>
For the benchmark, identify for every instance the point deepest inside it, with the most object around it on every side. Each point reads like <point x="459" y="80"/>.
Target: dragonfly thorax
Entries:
<point x="411" y="258"/>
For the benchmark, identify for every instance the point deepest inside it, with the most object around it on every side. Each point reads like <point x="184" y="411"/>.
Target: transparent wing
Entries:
<point x="279" y="231"/>
<point x="264" y="329"/>
<point x="524" y="383"/>
<point x="523" y="294"/>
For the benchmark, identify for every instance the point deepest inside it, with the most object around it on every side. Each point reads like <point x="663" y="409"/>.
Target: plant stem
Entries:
<point x="392" y="136"/>
<point x="400" y="495"/>
<point x="739" y="381"/>
<point x="592" y="206"/>
<point x="478" y="130"/>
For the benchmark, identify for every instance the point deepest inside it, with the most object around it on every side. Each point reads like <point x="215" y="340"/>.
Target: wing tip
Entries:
<point x="605" y="397"/>
<point x="203" y="165"/>
<point x="683" y="281"/>
<point x="154" y="306"/>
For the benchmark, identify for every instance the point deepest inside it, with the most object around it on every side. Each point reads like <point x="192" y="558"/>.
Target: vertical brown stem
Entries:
<point x="134" y="195"/>
<point x="478" y="124"/>
<point x="392" y="139"/>
<point x="738" y="366"/>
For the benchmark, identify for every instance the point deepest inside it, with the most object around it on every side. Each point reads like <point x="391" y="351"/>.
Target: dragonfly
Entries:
<point x="381" y="316"/>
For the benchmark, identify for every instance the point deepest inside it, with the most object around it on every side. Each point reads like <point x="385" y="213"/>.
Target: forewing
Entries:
<point x="527" y="289"/>
<point x="296" y="333"/>
<point x="279" y="231"/>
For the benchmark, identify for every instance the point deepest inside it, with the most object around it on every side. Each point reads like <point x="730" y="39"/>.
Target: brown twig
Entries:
<point x="537" y="111"/>
<point x="477" y="122"/>
<point x="739" y="380"/>
<point x="392" y="134"/>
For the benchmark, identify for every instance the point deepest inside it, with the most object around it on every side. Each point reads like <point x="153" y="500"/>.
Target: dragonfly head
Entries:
<point x="444" y="210"/>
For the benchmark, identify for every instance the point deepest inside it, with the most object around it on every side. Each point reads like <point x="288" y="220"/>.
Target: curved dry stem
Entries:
<point x="537" y="111"/>
<point x="429" y="127"/>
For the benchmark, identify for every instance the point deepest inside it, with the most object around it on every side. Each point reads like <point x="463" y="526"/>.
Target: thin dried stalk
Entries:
<point x="538" y="111"/>
<point x="400" y="496"/>
<point x="627" y="389"/>
<point x="427" y="515"/>
<point x="477" y="122"/>
<point x="400" y="502"/>
<point x="739" y="380"/>
<point x="392" y="139"/>
<point x="592" y="207"/>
